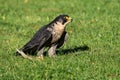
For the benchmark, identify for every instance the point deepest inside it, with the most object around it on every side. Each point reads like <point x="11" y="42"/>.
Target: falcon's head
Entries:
<point x="64" y="19"/>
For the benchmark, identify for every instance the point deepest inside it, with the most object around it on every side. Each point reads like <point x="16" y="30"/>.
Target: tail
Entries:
<point x="23" y="54"/>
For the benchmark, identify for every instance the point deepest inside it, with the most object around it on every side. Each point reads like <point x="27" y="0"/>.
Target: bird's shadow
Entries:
<point x="72" y="50"/>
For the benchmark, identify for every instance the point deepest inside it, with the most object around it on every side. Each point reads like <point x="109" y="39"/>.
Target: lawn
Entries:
<point x="92" y="51"/>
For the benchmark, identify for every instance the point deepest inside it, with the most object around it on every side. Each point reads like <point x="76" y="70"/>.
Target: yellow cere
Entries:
<point x="67" y="18"/>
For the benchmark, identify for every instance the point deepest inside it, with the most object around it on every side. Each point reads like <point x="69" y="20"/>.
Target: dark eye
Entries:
<point x="66" y="18"/>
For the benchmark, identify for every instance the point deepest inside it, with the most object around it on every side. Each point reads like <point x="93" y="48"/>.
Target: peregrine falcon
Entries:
<point x="52" y="35"/>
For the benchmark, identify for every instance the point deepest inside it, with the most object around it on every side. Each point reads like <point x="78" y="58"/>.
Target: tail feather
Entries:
<point x="23" y="54"/>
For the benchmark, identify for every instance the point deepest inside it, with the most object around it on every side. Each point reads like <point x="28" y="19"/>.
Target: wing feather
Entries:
<point x="39" y="39"/>
<point x="62" y="39"/>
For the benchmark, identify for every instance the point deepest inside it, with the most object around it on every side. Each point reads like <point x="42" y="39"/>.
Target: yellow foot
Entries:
<point x="39" y="58"/>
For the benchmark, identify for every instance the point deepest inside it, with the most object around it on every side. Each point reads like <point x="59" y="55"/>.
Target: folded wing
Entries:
<point x="38" y="41"/>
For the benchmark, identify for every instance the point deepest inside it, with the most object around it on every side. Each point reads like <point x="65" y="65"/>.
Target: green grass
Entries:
<point x="95" y="24"/>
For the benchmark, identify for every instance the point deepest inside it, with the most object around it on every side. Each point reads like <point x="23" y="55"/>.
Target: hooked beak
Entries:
<point x="69" y="19"/>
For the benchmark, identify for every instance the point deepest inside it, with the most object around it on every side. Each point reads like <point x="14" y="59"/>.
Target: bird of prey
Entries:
<point x="52" y="35"/>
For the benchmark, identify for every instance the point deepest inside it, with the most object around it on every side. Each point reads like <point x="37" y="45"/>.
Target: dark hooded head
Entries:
<point x="64" y="19"/>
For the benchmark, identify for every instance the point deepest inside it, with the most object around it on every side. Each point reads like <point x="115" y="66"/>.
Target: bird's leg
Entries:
<point x="52" y="51"/>
<point x="40" y="53"/>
